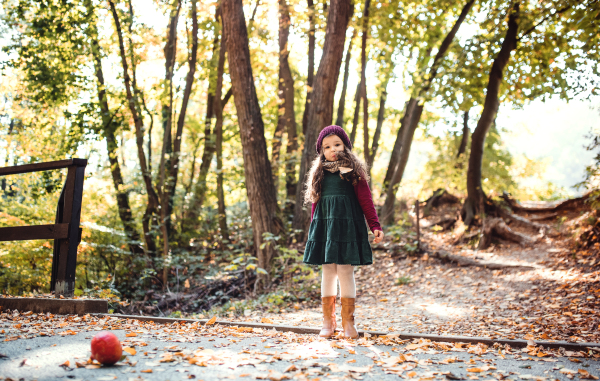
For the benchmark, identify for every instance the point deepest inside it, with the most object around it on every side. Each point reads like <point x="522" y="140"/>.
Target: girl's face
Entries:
<point x="331" y="146"/>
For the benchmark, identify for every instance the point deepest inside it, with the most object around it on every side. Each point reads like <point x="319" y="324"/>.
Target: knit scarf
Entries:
<point x="334" y="166"/>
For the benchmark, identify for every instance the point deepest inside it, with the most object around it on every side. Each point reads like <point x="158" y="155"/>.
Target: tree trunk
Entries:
<point x="189" y="83"/>
<point x="415" y="116"/>
<point x="475" y="202"/>
<point x="377" y="135"/>
<point x="170" y="51"/>
<point x="407" y="137"/>
<point x="139" y="133"/>
<point x="290" y="120"/>
<point x="357" y="97"/>
<point x="321" y="115"/>
<point x="108" y="129"/>
<point x="342" y="105"/>
<point x="393" y="164"/>
<point x="363" y="81"/>
<point x="285" y="112"/>
<point x="257" y="169"/>
<point x="311" y="63"/>
<point x="219" y="143"/>
<point x="465" y="135"/>
<point x="197" y="198"/>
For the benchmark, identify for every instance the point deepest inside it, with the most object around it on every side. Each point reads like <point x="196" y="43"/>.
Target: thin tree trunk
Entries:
<point x="311" y="63"/>
<point x="189" y="83"/>
<point x="377" y="135"/>
<point x="475" y="202"/>
<point x="139" y="133"/>
<point x="108" y="130"/>
<point x="257" y="169"/>
<point x="357" y="97"/>
<point x="342" y="105"/>
<point x="219" y="135"/>
<point x="138" y="94"/>
<point x="290" y="120"/>
<point x="170" y="52"/>
<point x="465" y="135"/>
<point x="191" y="219"/>
<point x="284" y="30"/>
<point x="415" y="117"/>
<point x="363" y="81"/>
<point x="393" y="164"/>
<point x="321" y="115"/>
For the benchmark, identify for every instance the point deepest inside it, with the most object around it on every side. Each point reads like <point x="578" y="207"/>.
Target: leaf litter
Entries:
<point x="311" y="357"/>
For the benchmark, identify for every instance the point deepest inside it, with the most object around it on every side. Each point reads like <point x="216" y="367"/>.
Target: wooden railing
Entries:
<point x="65" y="231"/>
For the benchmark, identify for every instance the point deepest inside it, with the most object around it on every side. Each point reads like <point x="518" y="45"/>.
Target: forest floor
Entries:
<point x="547" y="291"/>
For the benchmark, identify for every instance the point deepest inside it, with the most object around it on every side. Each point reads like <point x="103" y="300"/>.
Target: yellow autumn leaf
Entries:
<point x="146" y="371"/>
<point x="411" y="374"/>
<point x="66" y="363"/>
<point x="266" y="320"/>
<point x="131" y="334"/>
<point x="130" y="350"/>
<point x="212" y="320"/>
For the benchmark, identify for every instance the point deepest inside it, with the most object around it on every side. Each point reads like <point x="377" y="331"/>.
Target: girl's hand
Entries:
<point x="378" y="236"/>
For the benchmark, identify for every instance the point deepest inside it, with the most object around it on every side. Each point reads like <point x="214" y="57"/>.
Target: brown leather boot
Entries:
<point x="329" y="324"/>
<point x="350" y="331"/>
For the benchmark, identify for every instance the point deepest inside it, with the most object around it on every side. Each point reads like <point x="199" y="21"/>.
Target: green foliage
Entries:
<point x="501" y="171"/>
<point x="403" y="280"/>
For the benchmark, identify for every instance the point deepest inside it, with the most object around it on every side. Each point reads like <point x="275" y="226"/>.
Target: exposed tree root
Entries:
<point x="464" y="261"/>
<point x="439" y="197"/>
<point x="573" y="203"/>
<point x="523" y="221"/>
<point x="497" y="227"/>
<point x="543" y="217"/>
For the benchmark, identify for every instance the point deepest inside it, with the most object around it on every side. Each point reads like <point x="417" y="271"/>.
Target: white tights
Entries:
<point x="333" y="272"/>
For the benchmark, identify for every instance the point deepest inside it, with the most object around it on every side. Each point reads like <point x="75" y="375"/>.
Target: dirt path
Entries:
<point x="547" y="294"/>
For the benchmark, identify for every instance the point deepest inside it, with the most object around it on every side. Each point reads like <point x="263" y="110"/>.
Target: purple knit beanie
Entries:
<point x="335" y="130"/>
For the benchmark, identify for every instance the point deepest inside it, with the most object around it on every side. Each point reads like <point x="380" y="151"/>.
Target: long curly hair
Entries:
<point x="314" y="182"/>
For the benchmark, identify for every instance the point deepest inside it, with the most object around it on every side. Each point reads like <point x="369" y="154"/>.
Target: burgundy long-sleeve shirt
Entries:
<point x="365" y="199"/>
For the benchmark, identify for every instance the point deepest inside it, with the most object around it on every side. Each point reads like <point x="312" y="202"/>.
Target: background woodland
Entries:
<point x="199" y="132"/>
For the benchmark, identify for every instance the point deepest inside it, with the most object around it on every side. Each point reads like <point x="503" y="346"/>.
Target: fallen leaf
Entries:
<point x="478" y="370"/>
<point x="411" y="374"/>
<point x="146" y="371"/>
<point x="266" y="320"/>
<point x="290" y="368"/>
<point x="212" y="320"/>
<point x="131" y="334"/>
<point x="586" y="375"/>
<point x="65" y="364"/>
<point x="130" y="350"/>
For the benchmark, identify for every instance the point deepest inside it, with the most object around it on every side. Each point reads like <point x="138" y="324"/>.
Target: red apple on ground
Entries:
<point x="106" y="348"/>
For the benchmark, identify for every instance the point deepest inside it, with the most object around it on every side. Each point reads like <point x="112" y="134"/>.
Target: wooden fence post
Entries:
<point x="65" y="231"/>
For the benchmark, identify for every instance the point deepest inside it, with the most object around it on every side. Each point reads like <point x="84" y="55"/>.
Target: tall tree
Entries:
<point x="342" y="104"/>
<point x="321" y="114"/>
<point x="134" y="107"/>
<point x="257" y="169"/>
<point x="311" y="63"/>
<point x="363" y="79"/>
<point x="474" y="204"/>
<point x="219" y="143"/>
<point x="109" y="126"/>
<point x="286" y="121"/>
<point x="414" y="111"/>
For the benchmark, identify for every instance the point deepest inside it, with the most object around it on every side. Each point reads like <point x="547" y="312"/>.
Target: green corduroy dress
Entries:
<point x="338" y="231"/>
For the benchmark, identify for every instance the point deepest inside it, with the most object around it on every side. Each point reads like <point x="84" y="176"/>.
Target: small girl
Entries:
<point x="337" y="187"/>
